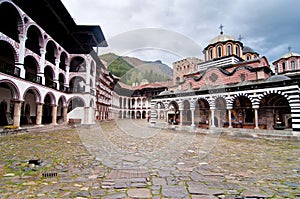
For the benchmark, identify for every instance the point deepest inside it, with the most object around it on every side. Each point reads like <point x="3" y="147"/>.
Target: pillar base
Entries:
<point x="256" y="128"/>
<point x="193" y="127"/>
<point x="53" y="123"/>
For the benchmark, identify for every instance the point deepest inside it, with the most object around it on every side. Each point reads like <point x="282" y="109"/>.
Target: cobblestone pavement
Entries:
<point x="127" y="159"/>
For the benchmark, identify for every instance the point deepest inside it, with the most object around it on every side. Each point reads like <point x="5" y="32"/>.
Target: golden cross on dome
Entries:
<point x="221" y="28"/>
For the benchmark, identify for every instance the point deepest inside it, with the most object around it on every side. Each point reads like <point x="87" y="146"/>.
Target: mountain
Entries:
<point x="116" y="64"/>
<point x="133" y="70"/>
<point x="156" y="66"/>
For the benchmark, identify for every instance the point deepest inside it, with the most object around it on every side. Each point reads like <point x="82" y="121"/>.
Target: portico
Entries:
<point x="265" y="107"/>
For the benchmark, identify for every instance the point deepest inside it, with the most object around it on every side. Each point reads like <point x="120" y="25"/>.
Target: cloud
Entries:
<point x="264" y="25"/>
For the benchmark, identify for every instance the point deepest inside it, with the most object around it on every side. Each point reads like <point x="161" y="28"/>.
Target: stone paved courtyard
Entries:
<point x="127" y="159"/>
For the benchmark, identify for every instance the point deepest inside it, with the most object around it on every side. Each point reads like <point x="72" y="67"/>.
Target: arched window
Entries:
<point x="219" y="49"/>
<point x="283" y="66"/>
<point x="229" y="49"/>
<point x="237" y="50"/>
<point x="248" y="57"/>
<point x="292" y="65"/>
<point x="210" y="53"/>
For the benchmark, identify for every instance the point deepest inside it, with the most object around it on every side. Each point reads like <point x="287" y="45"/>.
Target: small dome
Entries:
<point x="165" y="93"/>
<point x="247" y="49"/>
<point x="277" y="78"/>
<point x="221" y="38"/>
<point x="290" y="54"/>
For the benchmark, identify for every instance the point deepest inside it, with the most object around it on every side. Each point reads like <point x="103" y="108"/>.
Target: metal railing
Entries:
<point x="33" y="77"/>
<point x="50" y="83"/>
<point x="10" y="69"/>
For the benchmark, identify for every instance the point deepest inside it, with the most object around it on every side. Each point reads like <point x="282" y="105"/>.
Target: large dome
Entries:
<point x="277" y="78"/>
<point x="221" y="38"/>
<point x="290" y="54"/>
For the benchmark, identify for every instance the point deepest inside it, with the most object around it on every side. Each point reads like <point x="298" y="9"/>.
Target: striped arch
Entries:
<point x="202" y="98"/>
<point x="273" y="92"/>
<point x="220" y="97"/>
<point x="211" y="102"/>
<point x="227" y="100"/>
<point x="231" y="100"/>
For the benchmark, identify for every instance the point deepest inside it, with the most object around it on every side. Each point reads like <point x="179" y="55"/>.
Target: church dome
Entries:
<point x="221" y="38"/>
<point x="290" y="54"/>
<point x="247" y="49"/>
<point x="277" y="78"/>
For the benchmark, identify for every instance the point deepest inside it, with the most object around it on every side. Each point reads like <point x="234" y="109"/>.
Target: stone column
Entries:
<point x="65" y="114"/>
<point x="122" y="114"/>
<point x="130" y="103"/>
<point x="56" y="73"/>
<point x="17" y="113"/>
<point x="54" y="114"/>
<point x="135" y="104"/>
<point x="42" y="64"/>
<point x="181" y="117"/>
<point x="166" y="116"/>
<point x="212" y="117"/>
<point x="67" y="77"/>
<point x="87" y="79"/>
<point x="193" y="117"/>
<point x="229" y="118"/>
<point x="22" y="39"/>
<point x="256" y="118"/>
<point x="39" y="114"/>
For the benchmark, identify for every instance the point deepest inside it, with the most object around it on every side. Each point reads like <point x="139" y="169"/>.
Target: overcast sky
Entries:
<point x="169" y="30"/>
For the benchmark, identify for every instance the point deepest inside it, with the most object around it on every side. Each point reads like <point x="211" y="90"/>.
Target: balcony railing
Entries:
<point x="9" y="69"/>
<point x="63" y="88"/>
<point x="50" y="84"/>
<point x="33" y="77"/>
